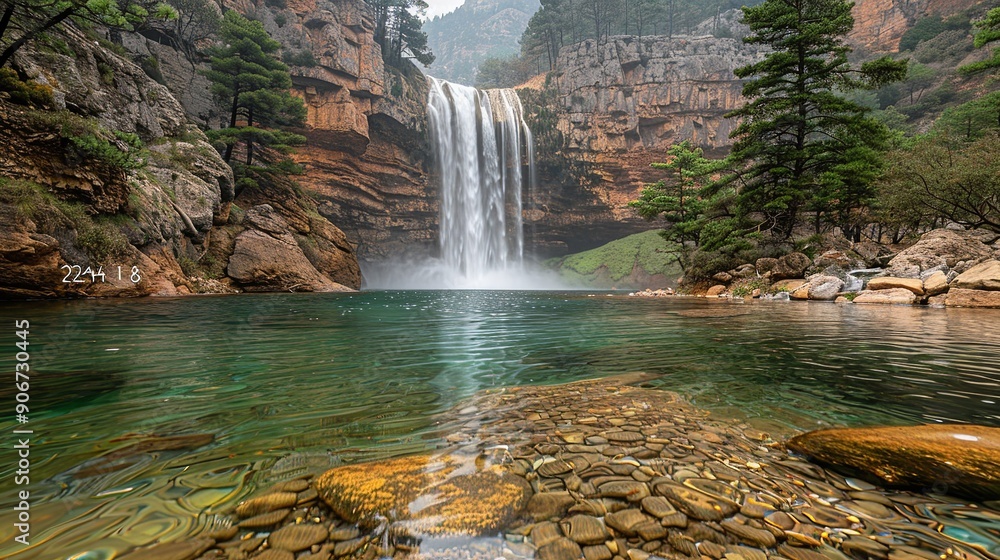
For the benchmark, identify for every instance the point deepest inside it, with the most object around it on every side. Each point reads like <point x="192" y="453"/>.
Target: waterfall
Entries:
<point x="485" y="158"/>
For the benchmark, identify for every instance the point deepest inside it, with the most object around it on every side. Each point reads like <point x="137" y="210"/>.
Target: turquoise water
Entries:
<point x="265" y="386"/>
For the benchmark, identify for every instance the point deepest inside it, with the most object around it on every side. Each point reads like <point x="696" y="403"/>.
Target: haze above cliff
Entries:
<point x="463" y="39"/>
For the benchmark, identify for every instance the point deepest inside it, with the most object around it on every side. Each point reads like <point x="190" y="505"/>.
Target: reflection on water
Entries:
<point x="264" y="387"/>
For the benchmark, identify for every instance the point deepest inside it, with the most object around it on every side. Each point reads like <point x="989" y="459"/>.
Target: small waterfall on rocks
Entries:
<point x="485" y="157"/>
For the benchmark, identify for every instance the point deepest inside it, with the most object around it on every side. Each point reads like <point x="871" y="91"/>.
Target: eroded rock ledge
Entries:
<point x="607" y="470"/>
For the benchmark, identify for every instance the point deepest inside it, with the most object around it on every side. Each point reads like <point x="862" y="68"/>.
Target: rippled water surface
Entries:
<point x="151" y="417"/>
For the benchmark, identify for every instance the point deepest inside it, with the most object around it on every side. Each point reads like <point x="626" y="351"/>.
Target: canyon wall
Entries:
<point x="366" y="155"/>
<point x="621" y="104"/>
<point x="880" y="24"/>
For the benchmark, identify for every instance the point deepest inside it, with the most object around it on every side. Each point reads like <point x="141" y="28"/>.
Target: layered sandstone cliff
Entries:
<point x="880" y="24"/>
<point x="621" y="105"/>
<point x="76" y="194"/>
<point x="366" y="155"/>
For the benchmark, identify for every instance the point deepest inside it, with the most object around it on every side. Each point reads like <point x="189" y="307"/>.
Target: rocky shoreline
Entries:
<point x="601" y="470"/>
<point x="945" y="268"/>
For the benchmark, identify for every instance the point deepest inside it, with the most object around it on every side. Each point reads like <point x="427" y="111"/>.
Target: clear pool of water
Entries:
<point x="264" y="386"/>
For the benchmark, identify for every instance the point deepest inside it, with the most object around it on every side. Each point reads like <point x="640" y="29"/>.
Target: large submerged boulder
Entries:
<point x="433" y="495"/>
<point x="957" y="459"/>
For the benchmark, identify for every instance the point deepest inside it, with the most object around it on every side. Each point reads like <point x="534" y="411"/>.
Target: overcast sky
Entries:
<point x="440" y="7"/>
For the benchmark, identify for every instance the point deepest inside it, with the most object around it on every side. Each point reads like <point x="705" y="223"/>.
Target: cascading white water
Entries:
<point x="480" y="141"/>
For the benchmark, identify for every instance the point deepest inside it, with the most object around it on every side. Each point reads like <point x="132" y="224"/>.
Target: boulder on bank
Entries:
<point x="789" y="285"/>
<point x="939" y="247"/>
<point x="983" y="276"/>
<point x="715" y="291"/>
<point x="957" y="459"/>
<point x="891" y="296"/>
<point x="267" y="258"/>
<point x="935" y="283"/>
<point x="914" y="285"/>
<point x="962" y="297"/>
<point x="792" y="265"/>
<point x="819" y="288"/>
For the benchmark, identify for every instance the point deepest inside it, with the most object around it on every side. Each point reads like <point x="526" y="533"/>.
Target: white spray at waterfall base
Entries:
<point x="484" y="160"/>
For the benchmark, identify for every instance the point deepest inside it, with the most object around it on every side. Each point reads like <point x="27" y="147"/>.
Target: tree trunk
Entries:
<point x="250" y="138"/>
<point x="53" y="21"/>
<point x="232" y="124"/>
<point x="5" y="19"/>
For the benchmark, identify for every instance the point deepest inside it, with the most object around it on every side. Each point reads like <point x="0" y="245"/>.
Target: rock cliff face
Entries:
<point x="880" y="24"/>
<point x="621" y="104"/>
<point x="366" y="153"/>
<point x="67" y="200"/>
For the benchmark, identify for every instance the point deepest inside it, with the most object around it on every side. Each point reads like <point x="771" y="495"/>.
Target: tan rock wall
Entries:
<point x="622" y="104"/>
<point x="880" y="24"/>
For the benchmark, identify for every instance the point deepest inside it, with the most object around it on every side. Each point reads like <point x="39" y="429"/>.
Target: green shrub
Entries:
<point x="744" y="287"/>
<point x="925" y="28"/>
<point x="25" y="93"/>
<point x="107" y="73"/>
<point x="101" y="238"/>
<point x="98" y="147"/>
<point x="299" y="58"/>
<point x="151" y="66"/>
<point x="54" y="44"/>
<point x="188" y="266"/>
<point x="102" y="241"/>
<point x="120" y="50"/>
<point x="26" y="198"/>
<point x="121" y="150"/>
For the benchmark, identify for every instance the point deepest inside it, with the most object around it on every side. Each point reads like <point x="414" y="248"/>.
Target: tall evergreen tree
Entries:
<point x="802" y="145"/>
<point x="250" y="81"/>
<point x="399" y="32"/>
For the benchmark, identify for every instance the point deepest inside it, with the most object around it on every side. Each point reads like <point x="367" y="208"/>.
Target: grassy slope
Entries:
<point x="612" y="264"/>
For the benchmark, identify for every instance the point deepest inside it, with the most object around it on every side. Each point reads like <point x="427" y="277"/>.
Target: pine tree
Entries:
<point x="399" y="31"/>
<point x="253" y="84"/>
<point x="802" y="145"/>
<point x="679" y="199"/>
<point x="989" y="33"/>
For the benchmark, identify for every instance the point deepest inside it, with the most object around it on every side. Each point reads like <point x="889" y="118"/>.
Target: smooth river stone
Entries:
<point x="695" y="504"/>
<point x="298" y="537"/>
<point x="275" y="554"/>
<point x="263" y="520"/>
<point x="545" y="505"/>
<point x="658" y="506"/>
<point x="171" y="551"/>
<point x="584" y="529"/>
<point x="626" y="521"/>
<point x="749" y="535"/>
<point x="958" y="459"/>
<point x="427" y="490"/>
<point x="266" y="503"/>
<point x="630" y="490"/>
<point x="560" y="549"/>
